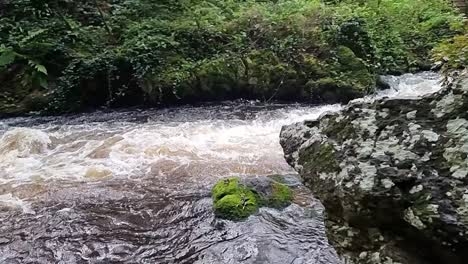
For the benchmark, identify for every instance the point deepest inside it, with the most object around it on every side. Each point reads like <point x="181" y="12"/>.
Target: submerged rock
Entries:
<point x="392" y="175"/>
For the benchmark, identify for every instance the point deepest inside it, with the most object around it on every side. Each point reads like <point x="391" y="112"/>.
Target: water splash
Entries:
<point x="411" y="85"/>
<point x="8" y="200"/>
<point x="23" y="142"/>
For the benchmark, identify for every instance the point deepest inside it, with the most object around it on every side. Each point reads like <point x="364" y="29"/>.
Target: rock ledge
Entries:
<point x="392" y="175"/>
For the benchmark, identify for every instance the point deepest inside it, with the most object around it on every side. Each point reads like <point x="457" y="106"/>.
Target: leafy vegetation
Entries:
<point x="62" y="55"/>
<point x="452" y="55"/>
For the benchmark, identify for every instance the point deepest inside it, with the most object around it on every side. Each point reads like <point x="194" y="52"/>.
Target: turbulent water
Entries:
<point x="133" y="186"/>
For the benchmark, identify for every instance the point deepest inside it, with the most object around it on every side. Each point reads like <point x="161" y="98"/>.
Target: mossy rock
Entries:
<point x="347" y="77"/>
<point x="348" y="60"/>
<point x="236" y="206"/>
<point x="234" y="199"/>
<point x="281" y="196"/>
<point x="333" y="90"/>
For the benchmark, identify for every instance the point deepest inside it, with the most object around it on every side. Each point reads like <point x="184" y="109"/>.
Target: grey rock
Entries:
<point x="392" y="175"/>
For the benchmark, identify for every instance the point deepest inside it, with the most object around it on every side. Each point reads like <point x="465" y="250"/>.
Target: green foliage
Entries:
<point x="7" y="56"/>
<point x="452" y="54"/>
<point x="93" y="53"/>
<point x="394" y="36"/>
<point x="34" y="74"/>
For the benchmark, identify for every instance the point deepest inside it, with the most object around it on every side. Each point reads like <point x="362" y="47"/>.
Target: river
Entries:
<point x="133" y="186"/>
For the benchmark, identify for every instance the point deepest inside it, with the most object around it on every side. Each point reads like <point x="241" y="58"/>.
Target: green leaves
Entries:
<point x="39" y="74"/>
<point x="43" y="82"/>
<point x="40" y="68"/>
<point x="180" y="48"/>
<point x="7" y="56"/>
<point x="452" y="55"/>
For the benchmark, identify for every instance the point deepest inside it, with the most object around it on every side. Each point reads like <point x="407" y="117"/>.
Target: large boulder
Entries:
<point x="392" y="175"/>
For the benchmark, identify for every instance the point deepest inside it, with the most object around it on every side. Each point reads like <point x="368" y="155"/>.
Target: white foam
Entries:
<point x="11" y="201"/>
<point x="23" y="142"/>
<point x="202" y="147"/>
<point x="411" y="85"/>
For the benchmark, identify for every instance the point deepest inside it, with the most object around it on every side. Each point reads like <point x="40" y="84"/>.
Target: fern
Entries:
<point x="35" y="73"/>
<point x="7" y="56"/>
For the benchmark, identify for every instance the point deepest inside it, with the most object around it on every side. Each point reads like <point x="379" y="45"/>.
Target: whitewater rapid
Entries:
<point x="219" y="140"/>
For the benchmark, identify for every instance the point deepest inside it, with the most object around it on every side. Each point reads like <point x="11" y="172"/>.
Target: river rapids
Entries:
<point x="133" y="186"/>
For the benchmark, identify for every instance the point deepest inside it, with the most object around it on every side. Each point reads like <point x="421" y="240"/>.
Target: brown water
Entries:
<point x="133" y="186"/>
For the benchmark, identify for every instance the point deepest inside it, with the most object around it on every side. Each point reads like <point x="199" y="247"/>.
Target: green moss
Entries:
<point x="236" y="206"/>
<point x="281" y="196"/>
<point x="225" y="187"/>
<point x="340" y="131"/>
<point x="348" y="60"/>
<point x="319" y="158"/>
<point x="346" y="77"/>
<point x="333" y="89"/>
<point x="232" y="200"/>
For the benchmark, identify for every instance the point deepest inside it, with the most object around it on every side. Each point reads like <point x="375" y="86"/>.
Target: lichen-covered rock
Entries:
<point x="393" y="176"/>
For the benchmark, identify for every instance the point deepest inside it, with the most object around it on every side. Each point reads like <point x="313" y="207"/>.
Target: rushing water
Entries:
<point x="133" y="186"/>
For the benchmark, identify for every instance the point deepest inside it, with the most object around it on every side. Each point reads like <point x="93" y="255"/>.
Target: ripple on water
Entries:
<point x="125" y="222"/>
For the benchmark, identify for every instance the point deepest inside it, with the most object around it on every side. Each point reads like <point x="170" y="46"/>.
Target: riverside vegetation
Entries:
<point x="59" y="56"/>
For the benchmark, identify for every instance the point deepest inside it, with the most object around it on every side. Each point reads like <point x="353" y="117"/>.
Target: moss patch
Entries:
<point x="319" y="158"/>
<point x="225" y="187"/>
<point x="236" y="206"/>
<point x="232" y="200"/>
<point x="346" y="77"/>
<point x="281" y="196"/>
<point x="339" y="130"/>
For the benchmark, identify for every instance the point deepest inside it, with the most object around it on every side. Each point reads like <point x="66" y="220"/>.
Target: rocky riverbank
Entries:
<point x="392" y="175"/>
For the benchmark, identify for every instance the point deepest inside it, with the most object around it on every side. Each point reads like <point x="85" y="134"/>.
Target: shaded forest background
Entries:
<point x="59" y="56"/>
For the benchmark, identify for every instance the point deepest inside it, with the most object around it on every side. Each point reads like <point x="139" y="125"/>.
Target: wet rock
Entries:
<point x="382" y="84"/>
<point x="392" y="175"/>
<point x="271" y="192"/>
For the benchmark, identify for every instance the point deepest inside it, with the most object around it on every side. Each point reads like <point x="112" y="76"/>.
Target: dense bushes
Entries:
<point x="70" y="55"/>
